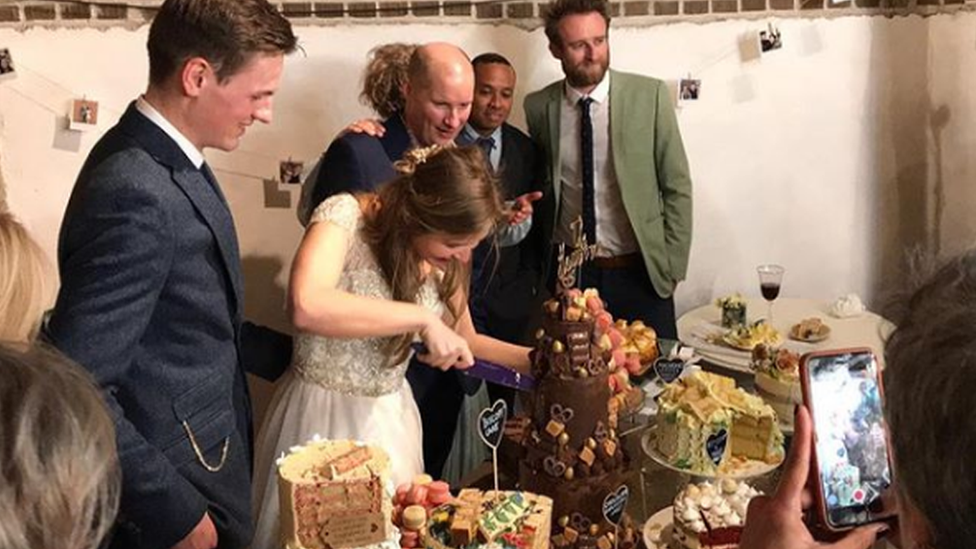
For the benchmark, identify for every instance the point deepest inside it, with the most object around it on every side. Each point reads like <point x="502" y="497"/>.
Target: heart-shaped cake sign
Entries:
<point x="615" y="503"/>
<point x="715" y="445"/>
<point x="491" y="423"/>
<point x="668" y="369"/>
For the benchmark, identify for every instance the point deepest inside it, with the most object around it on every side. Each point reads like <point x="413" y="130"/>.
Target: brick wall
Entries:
<point x="516" y="12"/>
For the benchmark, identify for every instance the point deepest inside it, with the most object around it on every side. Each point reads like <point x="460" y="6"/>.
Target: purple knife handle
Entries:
<point x="489" y="371"/>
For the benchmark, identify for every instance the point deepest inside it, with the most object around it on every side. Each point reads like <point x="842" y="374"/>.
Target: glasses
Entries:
<point x="770" y="280"/>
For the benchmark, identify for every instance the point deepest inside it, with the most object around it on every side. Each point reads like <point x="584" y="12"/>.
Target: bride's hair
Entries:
<point x="440" y="190"/>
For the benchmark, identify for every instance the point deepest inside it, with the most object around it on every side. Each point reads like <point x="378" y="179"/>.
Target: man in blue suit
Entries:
<point x="505" y="272"/>
<point x="437" y="102"/>
<point x="152" y="296"/>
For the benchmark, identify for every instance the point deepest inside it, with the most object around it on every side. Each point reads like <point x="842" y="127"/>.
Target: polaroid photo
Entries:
<point x="290" y="172"/>
<point x="274" y="196"/>
<point x="84" y="115"/>
<point x="7" y="69"/>
<point x="688" y="89"/>
<point x="770" y="39"/>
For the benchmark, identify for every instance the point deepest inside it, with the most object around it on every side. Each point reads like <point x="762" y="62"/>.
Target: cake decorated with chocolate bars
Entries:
<point x="571" y="452"/>
<point x="335" y="495"/>
<point x="708" y="425"/>
<point x="499" y="520"/>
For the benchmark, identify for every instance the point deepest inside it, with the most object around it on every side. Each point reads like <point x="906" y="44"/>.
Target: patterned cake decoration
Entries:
<point x="333" y="495"/>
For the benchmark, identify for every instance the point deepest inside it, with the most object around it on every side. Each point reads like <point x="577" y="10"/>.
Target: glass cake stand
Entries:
<point x="658" y="529"/>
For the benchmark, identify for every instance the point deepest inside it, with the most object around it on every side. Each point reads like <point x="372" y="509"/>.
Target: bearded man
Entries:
<point x="616" y="161"/>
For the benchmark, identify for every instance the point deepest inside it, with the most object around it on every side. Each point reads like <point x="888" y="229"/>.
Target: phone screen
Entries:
<point x="852" y="453"/>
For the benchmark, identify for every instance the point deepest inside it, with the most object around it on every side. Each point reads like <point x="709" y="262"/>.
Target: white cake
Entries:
<point x="700" y="411"/>
<point x="711" y="515"/>
<point x="778" y="380"/>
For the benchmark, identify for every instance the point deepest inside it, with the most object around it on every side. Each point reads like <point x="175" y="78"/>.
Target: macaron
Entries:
<point x="414" y="517"/>
<point x="417" y="495"/>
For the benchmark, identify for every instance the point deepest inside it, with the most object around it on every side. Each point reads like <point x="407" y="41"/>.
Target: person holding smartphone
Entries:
<point x="776" y="522"/>
<point x="929" y="381"/>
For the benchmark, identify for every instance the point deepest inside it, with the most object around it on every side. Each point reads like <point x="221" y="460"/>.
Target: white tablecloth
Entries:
<point x="866" y="330"/>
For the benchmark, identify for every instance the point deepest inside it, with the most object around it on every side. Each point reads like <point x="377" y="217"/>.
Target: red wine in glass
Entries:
<point x="770" y="291"/>
<point x="770" y="280"/>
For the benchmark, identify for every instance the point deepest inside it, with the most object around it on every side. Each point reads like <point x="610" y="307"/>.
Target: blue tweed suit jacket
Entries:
<point x="151" y="304"/>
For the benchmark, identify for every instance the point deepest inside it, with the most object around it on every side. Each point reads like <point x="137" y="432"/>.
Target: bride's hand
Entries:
<point x="445" y="348"/>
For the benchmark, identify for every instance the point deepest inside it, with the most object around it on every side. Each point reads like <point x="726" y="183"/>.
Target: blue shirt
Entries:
<point x="508" y="235"/>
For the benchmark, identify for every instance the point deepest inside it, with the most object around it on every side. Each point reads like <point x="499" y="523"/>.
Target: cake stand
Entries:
<point x="662" y="523"/>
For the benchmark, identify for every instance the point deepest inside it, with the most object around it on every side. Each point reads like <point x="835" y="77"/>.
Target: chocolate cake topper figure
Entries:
<point x="570" y="265"/>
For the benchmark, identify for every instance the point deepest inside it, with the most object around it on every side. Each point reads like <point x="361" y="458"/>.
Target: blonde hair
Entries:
<point x="385" y="76"/>
<point x="60" y="479"/>
<point x="23" y="281"/>
<point x="439" y="191"/>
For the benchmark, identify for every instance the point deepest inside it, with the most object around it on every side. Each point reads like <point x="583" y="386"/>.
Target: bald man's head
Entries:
<point x="439" y="91"/>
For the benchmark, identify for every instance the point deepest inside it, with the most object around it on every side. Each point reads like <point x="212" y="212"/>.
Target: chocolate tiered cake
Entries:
<point x="571" y="450"/>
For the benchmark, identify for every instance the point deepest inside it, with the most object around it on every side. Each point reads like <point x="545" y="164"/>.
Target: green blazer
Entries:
<point x="650" y="164"/>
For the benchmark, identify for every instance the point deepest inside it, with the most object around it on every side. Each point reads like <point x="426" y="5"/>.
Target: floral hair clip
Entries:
<point x="415" y="157"/>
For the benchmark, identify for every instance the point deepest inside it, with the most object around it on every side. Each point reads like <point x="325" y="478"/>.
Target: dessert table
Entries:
<point x="697" y="327"/>
<point x="655" y="485"/>
<point x="652" y="485"/>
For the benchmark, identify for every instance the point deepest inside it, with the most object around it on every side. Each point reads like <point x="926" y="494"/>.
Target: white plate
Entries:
<point x="663" y="521"/>
<point x="746" y="469"/>
<point x="726" y="357"/>
<point x="720" y="355"/>
<point x="816" y="338"/>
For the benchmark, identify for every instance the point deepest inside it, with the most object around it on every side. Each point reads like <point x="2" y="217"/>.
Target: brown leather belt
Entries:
<point x="617" y="261"/>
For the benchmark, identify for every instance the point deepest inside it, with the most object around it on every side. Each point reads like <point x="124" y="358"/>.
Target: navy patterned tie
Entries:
<point x="487" y="144"/>
<point x="586" y="166"/>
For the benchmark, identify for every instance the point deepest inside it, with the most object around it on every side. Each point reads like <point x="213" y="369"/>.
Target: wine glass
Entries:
<point x="770" y="279"/>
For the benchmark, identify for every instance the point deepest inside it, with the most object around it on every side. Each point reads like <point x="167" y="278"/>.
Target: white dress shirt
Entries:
<point x="189" y="149"/>
<point x="614" y="234"/>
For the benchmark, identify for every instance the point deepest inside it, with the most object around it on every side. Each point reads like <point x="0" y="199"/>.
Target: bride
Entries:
<point x="374" y="273"/>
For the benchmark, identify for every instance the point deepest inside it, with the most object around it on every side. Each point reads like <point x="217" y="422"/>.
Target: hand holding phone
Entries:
<point x="842" y="391"/>
<point x="776" y="521"/>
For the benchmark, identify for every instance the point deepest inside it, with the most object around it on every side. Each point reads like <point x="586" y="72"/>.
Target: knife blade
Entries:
<point x="489" y="371"/>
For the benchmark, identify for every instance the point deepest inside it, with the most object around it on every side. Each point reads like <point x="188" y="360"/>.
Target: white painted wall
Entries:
<point x="830" y="156"/>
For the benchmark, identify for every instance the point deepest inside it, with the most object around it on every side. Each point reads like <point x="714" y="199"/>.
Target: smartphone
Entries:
<point x="842" y="390"/>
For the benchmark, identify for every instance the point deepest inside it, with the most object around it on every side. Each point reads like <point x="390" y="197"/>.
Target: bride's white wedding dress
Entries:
<point x="341" y="388"/>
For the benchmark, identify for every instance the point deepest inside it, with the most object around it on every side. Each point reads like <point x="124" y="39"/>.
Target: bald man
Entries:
<point x="438" y="96"/>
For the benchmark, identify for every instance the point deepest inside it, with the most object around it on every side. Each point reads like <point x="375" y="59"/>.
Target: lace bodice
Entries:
<point x="354" y="366"/>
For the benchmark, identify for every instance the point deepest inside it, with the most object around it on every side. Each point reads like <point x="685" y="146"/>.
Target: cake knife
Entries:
<point x="489" y="371"/>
